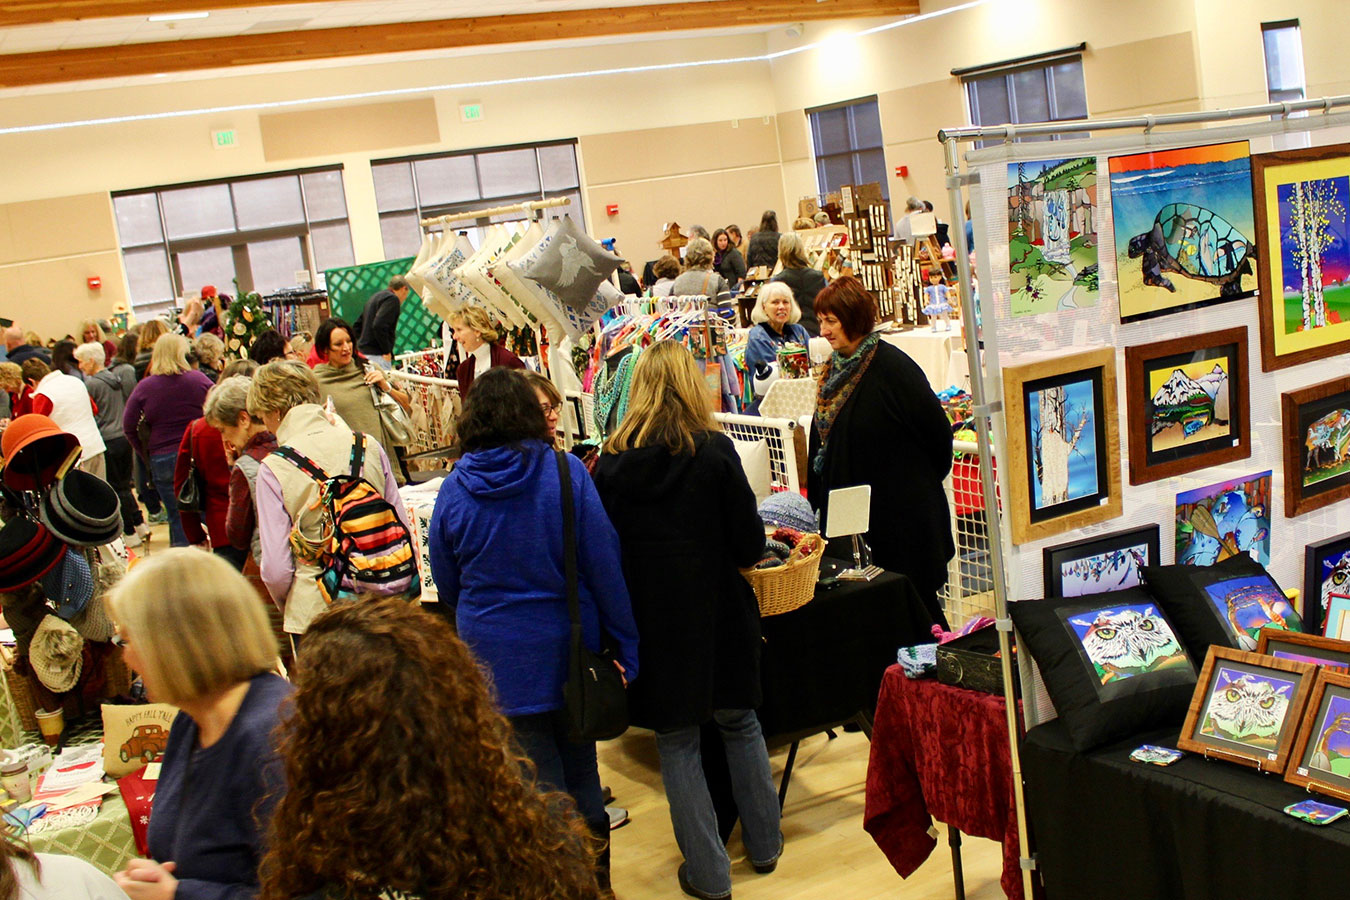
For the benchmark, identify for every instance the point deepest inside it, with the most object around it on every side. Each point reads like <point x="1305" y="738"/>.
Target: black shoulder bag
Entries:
<point x="594" y="695"/>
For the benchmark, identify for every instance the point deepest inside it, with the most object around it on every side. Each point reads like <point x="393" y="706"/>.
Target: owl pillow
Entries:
<point x="1112" y="663"/>
<point x="1226" y="604"/>
<point x="570" y="264"/>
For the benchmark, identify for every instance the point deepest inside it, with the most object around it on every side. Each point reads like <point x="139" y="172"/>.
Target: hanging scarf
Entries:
<point x="837" y="381"/>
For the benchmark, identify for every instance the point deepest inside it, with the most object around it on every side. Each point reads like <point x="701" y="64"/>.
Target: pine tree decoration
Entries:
<point x="244" y="322"/>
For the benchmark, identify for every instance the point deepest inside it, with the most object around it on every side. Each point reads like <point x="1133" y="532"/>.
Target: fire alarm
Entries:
<point x="612" y="209"/>
<point x="902" y="171"/>
<point x="94" y="282"/>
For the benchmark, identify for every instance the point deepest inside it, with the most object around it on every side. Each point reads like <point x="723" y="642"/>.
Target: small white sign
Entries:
<point x="850" y="511"/>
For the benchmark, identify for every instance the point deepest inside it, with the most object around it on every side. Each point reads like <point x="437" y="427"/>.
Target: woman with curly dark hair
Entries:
<point x="394" y="728"/>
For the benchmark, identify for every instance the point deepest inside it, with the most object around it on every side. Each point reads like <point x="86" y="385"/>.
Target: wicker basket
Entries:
<point x="785" y="588"/>
<point x="118" y="683"/>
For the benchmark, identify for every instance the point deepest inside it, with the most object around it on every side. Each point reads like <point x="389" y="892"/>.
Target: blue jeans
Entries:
<point x="707" y="865"/>
<point x="145" y="488"/>
<point x="161" y="470"/>
<point x="563" y="765"/>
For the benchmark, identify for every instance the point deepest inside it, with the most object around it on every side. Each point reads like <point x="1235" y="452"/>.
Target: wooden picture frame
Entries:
<point x="1231" y="680"/>
<point x="1077" y="389"/>
<point x="1162" y="383"/>
<point x="1320" y="409"/>
<point x="1326" y="574"/>
<point x="1282" y="172"/>
<point x="1323" y="732"/>
<point x="1310" y="648"/>
<point x="1120" y="571"/>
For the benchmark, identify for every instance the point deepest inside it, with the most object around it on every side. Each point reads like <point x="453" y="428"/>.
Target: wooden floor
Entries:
<point x="827" y="856"/>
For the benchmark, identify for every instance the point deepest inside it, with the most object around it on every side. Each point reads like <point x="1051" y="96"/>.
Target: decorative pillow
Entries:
<point x="575" y="323"/>
<point x="755" y="461"/>
<point x="1227" y="603"/>
<point x="1112" y="663"/>
<point x="571" y="264"/>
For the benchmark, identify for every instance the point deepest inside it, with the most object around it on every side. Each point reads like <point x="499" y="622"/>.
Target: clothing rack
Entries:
<point x="529" y="206"/>
<point x="297" y="310"/>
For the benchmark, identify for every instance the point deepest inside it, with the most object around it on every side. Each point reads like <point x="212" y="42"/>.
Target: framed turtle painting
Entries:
<point x="1316" y="428"/>
<point x="1184" y="228"/>
<point x="1187" y="404"/>
<point x="1247" y="707"/>
<point x="1302" y="216"/>
<point x="1063" y="443"/>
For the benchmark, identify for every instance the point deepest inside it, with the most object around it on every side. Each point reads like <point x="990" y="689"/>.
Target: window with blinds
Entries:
<point x="847" y="142"/>
<point x="1048" y="88"/>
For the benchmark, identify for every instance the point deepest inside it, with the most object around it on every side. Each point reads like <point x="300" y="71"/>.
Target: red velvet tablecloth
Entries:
<point x="942" y="752"/>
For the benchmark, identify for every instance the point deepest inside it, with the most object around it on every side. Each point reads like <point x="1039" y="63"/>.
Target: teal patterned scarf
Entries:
<point x="840" y="376"/>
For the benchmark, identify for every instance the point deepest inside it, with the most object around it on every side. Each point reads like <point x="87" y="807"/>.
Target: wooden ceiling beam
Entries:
<point x="44" y="12"/>
<point x="55" y="66"/>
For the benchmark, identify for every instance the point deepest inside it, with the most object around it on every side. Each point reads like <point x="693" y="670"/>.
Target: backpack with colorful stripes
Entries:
<point x="363" y="547"/>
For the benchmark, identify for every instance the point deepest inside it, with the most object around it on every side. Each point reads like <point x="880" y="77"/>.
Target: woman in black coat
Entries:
<point x="763" y="247"/>
<point x="878" y="422"/>
<point x="805" y="281"/>
<point x="676" y="493"/>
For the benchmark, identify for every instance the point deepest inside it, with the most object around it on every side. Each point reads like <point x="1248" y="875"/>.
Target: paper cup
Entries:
<point x="51" y="724"/>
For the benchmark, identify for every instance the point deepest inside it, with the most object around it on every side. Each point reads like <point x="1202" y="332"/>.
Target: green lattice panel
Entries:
<point x="349" y="288"/>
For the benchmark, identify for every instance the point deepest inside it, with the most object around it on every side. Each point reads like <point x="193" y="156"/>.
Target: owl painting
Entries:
<point x="1247" y="709"/>
<point x="1127" y="641"/>
<point x="1331" y="746"/>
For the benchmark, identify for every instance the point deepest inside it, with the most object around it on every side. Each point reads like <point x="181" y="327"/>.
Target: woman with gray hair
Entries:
<point x="201" y="460"/>
<point x="775" y="315"/>
<point x="210" y="354"/>
<point x="285" y="396"/>
<point x="698" y="278"/>
<point x="805" y="281"/>
<point x="247" y="444"/>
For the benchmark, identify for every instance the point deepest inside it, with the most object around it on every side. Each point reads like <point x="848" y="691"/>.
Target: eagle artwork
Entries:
<point x="1127" y="641"/>
<point x="1247" y="709"/>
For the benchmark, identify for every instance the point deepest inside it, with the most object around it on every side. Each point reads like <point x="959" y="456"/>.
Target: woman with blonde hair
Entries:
<point x="192" y="627"/>
<point x="479" y="349"/>
<point x="151" y="332"/>
<point x="775" y="315"/>
<point x="210" y="352"/>
<point x="675" y="491"/>
<point x="158" y="414"/>
<point x="91" y="332"/>
<point x="797" y="274"/>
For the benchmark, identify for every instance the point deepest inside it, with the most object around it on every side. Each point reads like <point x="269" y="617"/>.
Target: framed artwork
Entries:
<point x="1249" y="604"/>
<point x="1223" y="520"/>
<point x="1309" y="648"/>
<point x="1052" y="235"/>
<point x="1187" y="404"/>
<point x="1063" y="442"/>
<point x="1336" y="617"/>
<point x="1246" y="708"/>
<point x="1321" y="758"/>
<point x="1316" y="445"/>
<point x="1326" y="577"/>
<point x="1184" y="227"/>
<point x="1302" y="215"/>
<point x="1099" y="565"/>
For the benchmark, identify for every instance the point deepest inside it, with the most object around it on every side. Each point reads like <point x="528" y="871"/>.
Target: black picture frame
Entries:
<point x="1314" y="609"/>
<point x="1054" y="558"/>
<point x="1094" y="377"/>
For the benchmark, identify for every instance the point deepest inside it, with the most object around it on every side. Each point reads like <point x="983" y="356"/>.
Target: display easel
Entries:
<point x="1110" y="136"/>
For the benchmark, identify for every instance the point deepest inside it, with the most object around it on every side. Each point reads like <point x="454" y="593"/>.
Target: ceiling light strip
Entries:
<point x="464" y="85"/>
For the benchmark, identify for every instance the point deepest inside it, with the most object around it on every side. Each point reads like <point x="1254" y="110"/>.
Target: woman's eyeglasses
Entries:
<point x="550" y="408"/>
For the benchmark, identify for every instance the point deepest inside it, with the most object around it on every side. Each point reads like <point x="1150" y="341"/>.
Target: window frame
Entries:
<point x="238" y="239"/>
<point x="1272" y="92"/>
<point x="1008" y="70"/>
<point x="855" y="149"/>
<point x="481" y="223"/>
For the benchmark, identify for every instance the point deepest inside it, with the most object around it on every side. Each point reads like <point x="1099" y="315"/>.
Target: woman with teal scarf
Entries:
<point x="879" y="423"/>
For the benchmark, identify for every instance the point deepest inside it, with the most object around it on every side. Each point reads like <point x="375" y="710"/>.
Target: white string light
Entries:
<point x="464" y="85"/>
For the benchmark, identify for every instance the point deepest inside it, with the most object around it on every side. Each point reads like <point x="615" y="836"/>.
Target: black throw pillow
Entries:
<point x="1112" y="663"/>
<point x="1226" y="604"/>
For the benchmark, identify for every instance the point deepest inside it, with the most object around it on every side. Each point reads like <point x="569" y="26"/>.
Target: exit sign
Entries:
<point x="471" y="112"/>
<point x="224" y="140"/>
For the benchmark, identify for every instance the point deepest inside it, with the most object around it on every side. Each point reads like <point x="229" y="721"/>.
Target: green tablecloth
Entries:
<point x="106" y="842"/>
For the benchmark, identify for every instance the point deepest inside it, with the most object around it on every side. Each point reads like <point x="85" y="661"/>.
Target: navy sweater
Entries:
<point x="211" y="805"/>
<point x="496" y="543"/>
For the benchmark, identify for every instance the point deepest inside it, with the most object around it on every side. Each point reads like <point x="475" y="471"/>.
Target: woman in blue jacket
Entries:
<point x="775" y="315"/>
<point x="496" y="547"/>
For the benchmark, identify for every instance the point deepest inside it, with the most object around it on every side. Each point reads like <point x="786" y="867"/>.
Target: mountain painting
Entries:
<point x="1188" y="403"/>
<point x="1052" y="235"/>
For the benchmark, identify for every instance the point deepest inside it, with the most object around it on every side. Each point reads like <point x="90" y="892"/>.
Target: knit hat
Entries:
<point x="82" y="510"/>
<point x="27" y="552"/>
<point x="788" y="508"/>
<point x="93" y="622"/>
<point x="55" y="654"/>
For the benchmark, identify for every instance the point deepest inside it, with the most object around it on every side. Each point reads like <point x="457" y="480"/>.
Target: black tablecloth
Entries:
<point x="1104" y="826"/>
<point x="823" y="663"/>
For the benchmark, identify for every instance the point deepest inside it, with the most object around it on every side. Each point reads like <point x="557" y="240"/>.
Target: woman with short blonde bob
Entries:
<point x="775" y="315"/>
<point x="193" y="629"/>
<point x="479" y="349"/>
<point x="166" y="402"/>
<point x="675" y="491"/>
